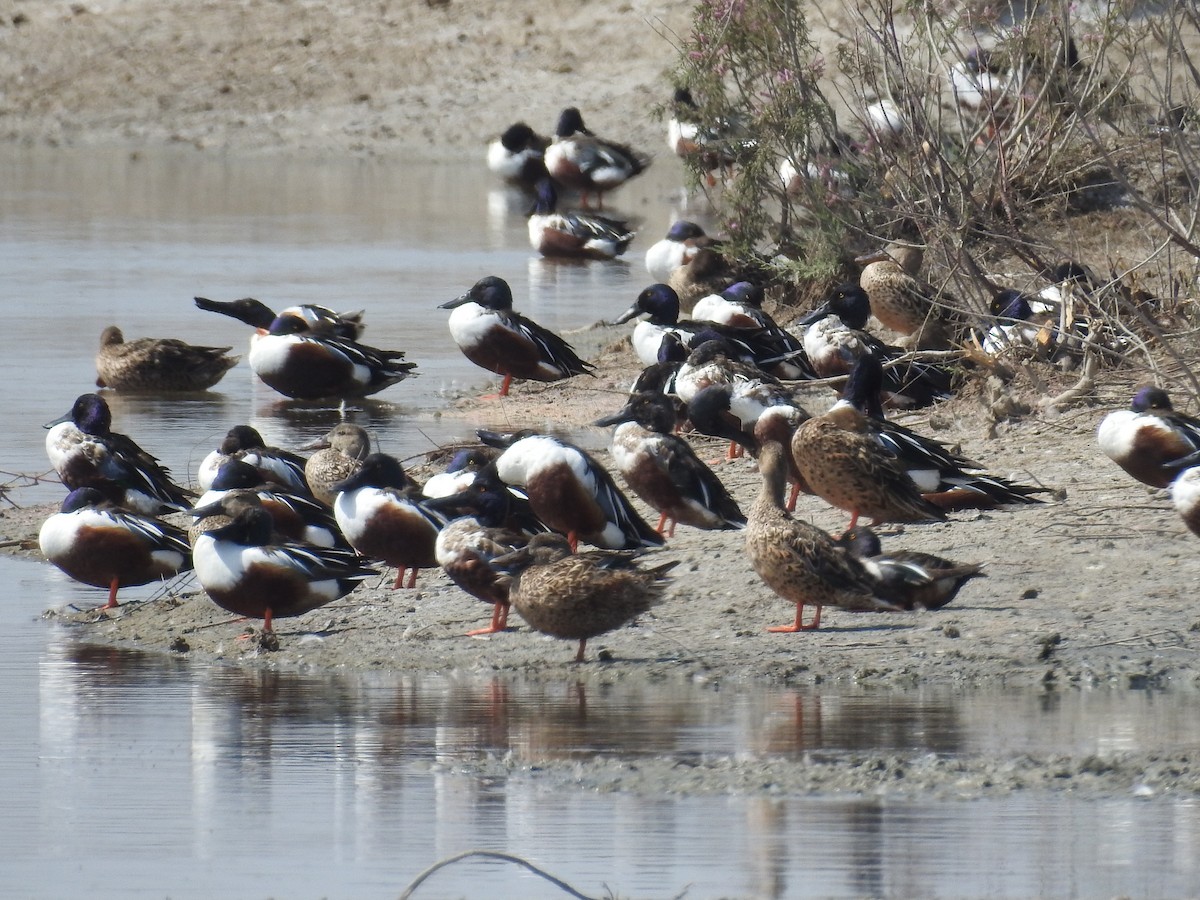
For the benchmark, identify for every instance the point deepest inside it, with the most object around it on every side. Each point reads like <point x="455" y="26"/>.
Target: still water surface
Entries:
<point x="130" y="775"/>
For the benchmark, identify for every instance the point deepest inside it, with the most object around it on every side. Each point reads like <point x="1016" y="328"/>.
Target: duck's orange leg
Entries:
<point x="792" y="497"/>
<point x="582" y="647"/>
<point x="268" y="621"/>
<point x="112" y="593"/>
<point x="399" y="582"/>
<point x="573" y="541"/>
<point x="667" y="523"/>
<point x="504" y="386"/>
<point x="412" y="577"/>
<point x="799" y="625"/>
<point x="499" y="620"/>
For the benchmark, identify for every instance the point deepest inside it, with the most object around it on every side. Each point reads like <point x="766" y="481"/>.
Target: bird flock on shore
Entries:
<point x="276" y="533"/>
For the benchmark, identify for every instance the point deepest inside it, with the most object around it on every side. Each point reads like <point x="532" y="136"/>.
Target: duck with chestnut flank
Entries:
<point x="1150" y="440"/>
<point x="684" y="239"/>
<point x="574" y="234"/>
<point x="579" y="160"/>
<point x="318" y="320"/>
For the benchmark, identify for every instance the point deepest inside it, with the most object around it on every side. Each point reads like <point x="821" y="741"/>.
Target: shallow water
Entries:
<point x="127" y="774"/>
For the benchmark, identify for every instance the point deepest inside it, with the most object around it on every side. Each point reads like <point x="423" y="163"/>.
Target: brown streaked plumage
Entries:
<point x="798" y="561"/>
<point x="158" y="364"/>
<point x="339" y="454"/>
<point x="843" y="464"/>
<point x="579" y="596"/>
<point x="904" y="303"/>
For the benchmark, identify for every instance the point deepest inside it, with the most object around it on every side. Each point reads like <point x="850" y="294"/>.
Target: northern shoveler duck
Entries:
<point x="944" y="478"/>
<point x="911" y="579"/>
<point x="715" y="361"/>
<point x="338" y="455"/>
<point x="798" y="561"/>
<point x="570" y="491"/>
<point x="318" y="320"/>
<point x="296" y="517"/>
<point x="86" y="452"/>
<point x="660" y="304"/>
<point x="575" y="234"/>
<point x="983" y="89"/>
<point x="905" y="304"/>
<point x="748" y="414"/>
<point x="158" y="364"/>
<point x="835" y="337"/>
<point x="664" y="470"/>
<point x="383" y="515"/>
<point x="495" y="338"/>
<point x="247" y="572"/>
<point x="577" y="597"/>
<point x="683" y="241"/>
<point x="1150" y="440"/>
<point x="482" y="532"/>
<point x="97" y="543"/>
<point x="739" y="306"/>
<point x="710" y="148"/>
<point x="1185" y="494"/>
<point x="245" y="443"/>
<point x="708" y="271"/>
<point x="578" y="159"/>
<point x="883" y="121"/>
<point x="461" y="472"/>
<point x="518" y="155"/>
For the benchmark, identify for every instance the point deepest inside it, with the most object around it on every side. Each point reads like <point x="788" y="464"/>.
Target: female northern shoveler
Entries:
<point x="305" y="353"/>
<point x="86" y="452"/>
<point x="748" y="414"/>
<point x="296" y="517"/>
<point x="243" y="570"/>
<point x="483" y="531"/>
<point x="660" y="304"/>
<point x="1150" y="440"/>
<point x="1185" y="494"/>
<point x="664" y="470"/>
<point x="684" y="239"/>
<point x="798" y="561"/>
<point x="158" y="364"/>
<point x="339" y="454"/>
<point x="570" y="492"/>
<point x="910" y="579"/>
<point x="835" y="338"/>
<point x="382" y="513"/>
<point x="317" y="320"/>
<point x="581" y="596"/>
<point x="587" y="235"/>
<point x="578" y="159"/>
<point x="903" y="303"/>
<point x="99" y="544"/>
<point x="518" y="155"/>
<point x="245" y="443"/>
<point x="495" y="338"/>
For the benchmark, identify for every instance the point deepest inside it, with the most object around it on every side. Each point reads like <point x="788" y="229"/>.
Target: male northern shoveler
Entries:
<point x="798" y="561"/>
<point x="577" y="597"/>
<point x="660" y="304"/>
<point x="383" y="515"/>
<point x="483" y="531"/>
<point x="664" y="470"/>
<point x="245" y="443"/>
<point x="683" y="241"/>
<point x="244" y="570"/>
<point x="86" y="452"/>
<point x="570" y="491"/>
<point x="296" y="517"/>
<point x="739" y="306"/>
<point x="518" y="155"/>
<point x="158" y="364"/>
<point x="100" y="544"/>
<point x="317" y="320"/>
<point x="576" y="234"/>
<point x="905" y="304"/>
<point x="1150" y="440"/>
<point x="710" y="148"/>
<point x="748" y="414"/>
<point x="339" y="454"/>
<point x="495" y="338"/>
<point x="461" y="472"/>
<point x="1185" y="494"/>
<point x="578" y="159"/>
<point x="835" y="338"/>
<point x="910" y="579"/>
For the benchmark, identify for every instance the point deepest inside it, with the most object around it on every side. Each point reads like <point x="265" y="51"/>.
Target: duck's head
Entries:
<point x="487" y="499"/>
<point x="570" y="121"/>
<point x="863" y="386"/>
<point x="542" y="550"/>
<point x="1151" y="400"/>
<point x="229" y="504"/>
<point x="378" y="470"/>
<point x="860" y="541"/>
<point x="234" y="474"/>
<point x="518" y="137"/>
<point x="91" y="415"/>
<point x="345" y="437"/>
<point x="490" y="292"/>
<point x="251" y="527"/>
<point x="545" y="198"/>
<point x="652" y="410"/>
<point x="683" y="97"/>
<point x="848" y="302"/>
<point x="248" y="310"/>
<point x="683" y="230"/>
<point x="659" y="302"/>
<point x="242" y="437"/>
<point x="1011" y="304"/>
<point x="111" y="337"/>
<point x="746" y="293"/>
<point x="82" y="498"/>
